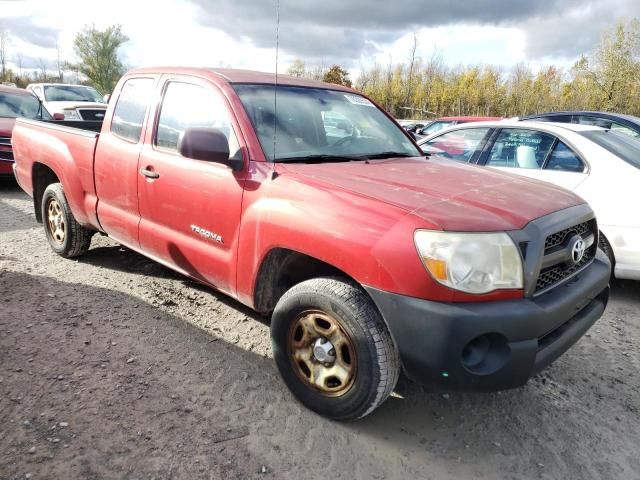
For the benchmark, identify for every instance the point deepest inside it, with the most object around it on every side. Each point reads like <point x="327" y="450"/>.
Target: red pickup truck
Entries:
<point x="306" y="201"/>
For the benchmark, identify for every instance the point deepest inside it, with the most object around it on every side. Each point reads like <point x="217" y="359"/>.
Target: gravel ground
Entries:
<point x="112" y="366"/>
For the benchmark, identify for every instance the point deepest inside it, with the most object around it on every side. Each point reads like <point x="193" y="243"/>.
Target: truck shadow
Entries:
<point x="126" y="362"/>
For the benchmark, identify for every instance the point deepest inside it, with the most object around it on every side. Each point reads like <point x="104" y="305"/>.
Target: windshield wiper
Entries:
<point x="321" y="159"/>
<point x="382" y="155"/>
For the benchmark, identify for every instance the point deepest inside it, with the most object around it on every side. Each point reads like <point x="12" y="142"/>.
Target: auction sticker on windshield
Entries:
<point x="358" y="100"/>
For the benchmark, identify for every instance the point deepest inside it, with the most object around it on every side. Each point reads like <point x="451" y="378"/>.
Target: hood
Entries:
<point x="59" y="107"/>
<point x="6" y="126"/>
<point x="452" y="195"/>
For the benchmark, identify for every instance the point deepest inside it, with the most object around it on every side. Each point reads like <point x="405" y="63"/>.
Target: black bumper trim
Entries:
<point x="431" y="336"/>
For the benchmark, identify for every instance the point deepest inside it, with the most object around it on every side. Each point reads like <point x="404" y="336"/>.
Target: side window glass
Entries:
<point x="563" y="159"/>
<point x="597" y="121"/>
<point x="187" y="106"/>
<point x="128" y="115"/>
<point x="458" y="145"/>
<point x="519" y="148"/>
<point x="616" y="127"/>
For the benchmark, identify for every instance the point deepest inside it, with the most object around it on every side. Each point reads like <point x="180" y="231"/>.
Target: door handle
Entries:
<point x="149" y="173"/>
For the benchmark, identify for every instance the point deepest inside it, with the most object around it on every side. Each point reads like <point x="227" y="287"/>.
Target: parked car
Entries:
<point x="444" y="122"/>
<point x="627" y="124"/>
<point x="602" y="166"/>
<point x="14" y="103"/>
<point x="412" y="125"/>
<point x="70" y="102"/>
<point x="368" y="256"/>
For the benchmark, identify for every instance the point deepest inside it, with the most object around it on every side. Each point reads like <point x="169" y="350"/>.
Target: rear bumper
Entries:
<point x="493" y="345"/>
<point x="625" y="242"/>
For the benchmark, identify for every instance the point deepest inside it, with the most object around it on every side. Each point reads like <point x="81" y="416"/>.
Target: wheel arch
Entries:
<point x="282" y="268"/>
<point x="42" y="176"/>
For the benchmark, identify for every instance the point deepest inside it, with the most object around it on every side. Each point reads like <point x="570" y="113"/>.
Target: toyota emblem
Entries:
<point x="577" y="250"/>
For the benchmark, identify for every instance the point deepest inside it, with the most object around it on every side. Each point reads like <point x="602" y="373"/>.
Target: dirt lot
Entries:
<point x="114" y="367"/>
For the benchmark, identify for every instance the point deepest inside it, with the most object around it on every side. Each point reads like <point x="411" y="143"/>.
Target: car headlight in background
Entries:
<point x="471" y="262"/>
<point x="72" y="115"/>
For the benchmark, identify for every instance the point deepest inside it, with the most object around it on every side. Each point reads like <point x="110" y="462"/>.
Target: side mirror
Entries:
<point x="207" y="144"/>
<point x="106" y="98"/>
<point x="58" y="116"/>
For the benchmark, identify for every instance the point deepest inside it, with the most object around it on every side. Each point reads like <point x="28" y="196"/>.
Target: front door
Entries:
<point x="190" y="209"/>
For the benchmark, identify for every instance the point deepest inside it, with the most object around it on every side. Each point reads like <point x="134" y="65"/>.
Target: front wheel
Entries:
<point x="65" y="235"/>
<point x="333" y="349"/>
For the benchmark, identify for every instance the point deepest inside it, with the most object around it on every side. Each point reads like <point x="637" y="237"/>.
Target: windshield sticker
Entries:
<point x="358" y="100"/>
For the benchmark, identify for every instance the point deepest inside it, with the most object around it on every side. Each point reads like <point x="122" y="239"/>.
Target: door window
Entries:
<point x="519" y="148"/>
<point x="187" y="106"/>
<point x="130" y="110"/>
<point x="563" y="159"/>
<point x="458" y="145"/>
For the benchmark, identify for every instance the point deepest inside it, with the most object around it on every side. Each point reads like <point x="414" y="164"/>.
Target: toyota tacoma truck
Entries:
<point x="307" y="202"/>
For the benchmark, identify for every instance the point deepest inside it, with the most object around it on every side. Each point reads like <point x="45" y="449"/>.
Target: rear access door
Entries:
<point x="116" y="160"/>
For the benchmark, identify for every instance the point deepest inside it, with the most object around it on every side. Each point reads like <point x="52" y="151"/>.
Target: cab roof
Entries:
<point x="232" y="75"/>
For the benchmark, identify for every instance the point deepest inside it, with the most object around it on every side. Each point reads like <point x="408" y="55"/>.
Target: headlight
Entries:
<point x="71" y="115"/>
<point x="471" y="262"/>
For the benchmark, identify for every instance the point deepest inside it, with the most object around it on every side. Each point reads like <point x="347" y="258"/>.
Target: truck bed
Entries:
<point x="63" y="148"/>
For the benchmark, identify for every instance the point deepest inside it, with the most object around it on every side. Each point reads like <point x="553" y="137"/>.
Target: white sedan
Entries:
<point x="601" y="166"/>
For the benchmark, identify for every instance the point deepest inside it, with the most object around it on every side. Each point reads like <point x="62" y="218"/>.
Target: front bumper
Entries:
<point x="488" y="346"/>
<point x="6" y="167"/>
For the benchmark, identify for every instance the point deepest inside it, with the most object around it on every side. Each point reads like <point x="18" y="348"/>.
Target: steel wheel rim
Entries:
<point x="307" y="332"/>
<point x="55" y="221"/>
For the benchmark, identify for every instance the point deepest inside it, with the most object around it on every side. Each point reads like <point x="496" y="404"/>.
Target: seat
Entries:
<point x="526" y="157"/>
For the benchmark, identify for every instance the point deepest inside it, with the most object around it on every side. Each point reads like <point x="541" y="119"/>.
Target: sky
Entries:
<point x="352" y="33"/>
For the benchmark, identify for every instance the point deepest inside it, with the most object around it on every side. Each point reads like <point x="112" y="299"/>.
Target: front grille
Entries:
<point x="559" y="238"/>
<point x="95" y="114"/>
<point x="554" y="274"/>
<point x="6" y="155"/>
<point x="5" y="141"/>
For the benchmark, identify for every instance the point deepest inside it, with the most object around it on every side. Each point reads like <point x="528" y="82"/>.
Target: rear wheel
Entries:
<point x="332" y="348"/>
<point x="65" y="235"/>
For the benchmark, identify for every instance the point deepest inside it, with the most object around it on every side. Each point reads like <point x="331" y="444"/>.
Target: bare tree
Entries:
<point x="4" y="41"/>
<point x="59" y="63"/>
<point x="19" y="61"/>
<point x="412" y="65"/>
<point x="42" y="66"/>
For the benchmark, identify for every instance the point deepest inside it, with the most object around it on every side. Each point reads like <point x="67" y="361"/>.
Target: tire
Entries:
<point x="65" y="235"/>
<point x="363" y="347"/>
<point x="605" y="246"/>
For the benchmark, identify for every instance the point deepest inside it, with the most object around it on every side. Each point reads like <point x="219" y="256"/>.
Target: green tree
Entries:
<point x="297" y="68"/>
<point x="98" y="54"/>
<point x="338" y="75"/>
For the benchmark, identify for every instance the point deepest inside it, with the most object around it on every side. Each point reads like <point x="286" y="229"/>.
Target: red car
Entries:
<point x="368" y="256"/>
<point x="444" y="122"/>
<point x="14" y="103"/>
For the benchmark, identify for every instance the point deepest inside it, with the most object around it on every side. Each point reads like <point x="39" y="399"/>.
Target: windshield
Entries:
<point x="71" y="93"/>
<point x="434" y="127"/>
<point x="14" y="106"/>
<point x="621" y="145"/>
<point x="321" y="125"/>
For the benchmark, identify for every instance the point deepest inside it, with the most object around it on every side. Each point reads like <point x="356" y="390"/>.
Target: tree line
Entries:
<point x="607" y="79"/>
<point x="98" y="64"/>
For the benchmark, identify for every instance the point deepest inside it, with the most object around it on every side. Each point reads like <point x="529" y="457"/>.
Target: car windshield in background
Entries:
<point x="434" y="127"/>
<point x="14" y="106"/>
<point x="313" y="124"/>
<point x="621" y="145"/>
<point x="71" y="93"/>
